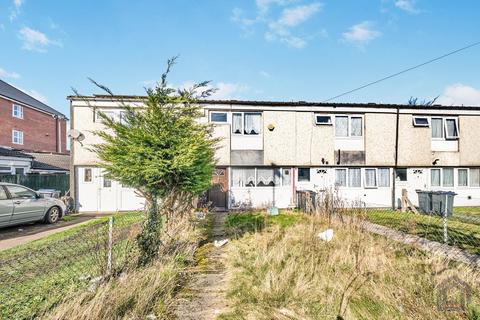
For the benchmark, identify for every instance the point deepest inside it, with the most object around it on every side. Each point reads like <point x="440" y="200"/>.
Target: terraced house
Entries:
<point x="270" y="150"/>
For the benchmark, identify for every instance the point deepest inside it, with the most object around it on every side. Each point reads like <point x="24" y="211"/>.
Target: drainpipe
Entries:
<point x="57" y="135"/>
<point x="394" y="173"/>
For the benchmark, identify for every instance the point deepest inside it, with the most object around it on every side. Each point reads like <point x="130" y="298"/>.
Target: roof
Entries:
<point x="50" y="161"/>
<point x="13" y="93"/>
<point x="132" y="98"/>
<point x="7" y="152"/>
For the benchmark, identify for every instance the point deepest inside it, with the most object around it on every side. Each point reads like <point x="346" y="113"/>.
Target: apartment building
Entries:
<point x="28" y="124"/>
<point x="270" y="150"/>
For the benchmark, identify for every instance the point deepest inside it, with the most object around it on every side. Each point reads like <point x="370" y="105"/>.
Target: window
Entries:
<point x="109" y="114"/>
<point x="348" y="126"/>
<point x="3" y="194"/>
<point x="463" y="177"/>
<point x="237" y="125"/>
<point x="384" y="177"/>
<point x="252" y="123"/>
<point x="107" y="183"/>
<point x="420" y="122"/>
<point x="303" y="174"/>
<point x="266" y="178"/>
<point x="286" y="177"/>
<point x="123" y="119"/>
<point x="370" y="178"/>
<point x="5" y="170"/>
<point x="18" y="192"/>
<point x="17" y="111"/>
<point x="451" y="128"/>
<point x="20" y="171"/>
<point x="474" y="177"/>
<point x="341" y="126"/>
<point x="17" y="137"/>
<point x="323" y="120"/>
<point x="355" y="178"/>
<point x="445" y="128"/>
<point x="341" y="177"/>
<point x="87" y="175"/>
<point x="218" y="117"/>
<point x="243" y="177"/>
<point x="435" y="177"/>
<point x="447" y="177"/>
<point x="401" y="174"/>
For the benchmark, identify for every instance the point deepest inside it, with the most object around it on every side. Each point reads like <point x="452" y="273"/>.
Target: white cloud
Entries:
<point x="6" y="74"/>
<point x="16" y="10"/>
<point x="18" y="3"/>
<point x="460" y="94"/>
<point x="264" y="5"/>
<point x="34" y="40"/>
<point x="228" y="91"/>
<point x="407" y="5"/>
<point x="361" y="34"/>
<point x="264" y="74"/>
<point x="294" y="16"/>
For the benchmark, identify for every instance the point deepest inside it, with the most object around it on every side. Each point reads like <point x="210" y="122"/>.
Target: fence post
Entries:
<point x="445" y="226"/>
<point x="110" y="246"/>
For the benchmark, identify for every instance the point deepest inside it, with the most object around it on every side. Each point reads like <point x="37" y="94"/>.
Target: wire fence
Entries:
<point x="40" y="274"/>
<point x="453" y="233"/>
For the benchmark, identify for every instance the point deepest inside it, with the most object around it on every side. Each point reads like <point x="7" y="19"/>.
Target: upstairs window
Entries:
<point x="17" y="137"/>
<point x="17" y="111"/>
<point x="220" y="117"/>
<point x="348" y="126"/>
<point x="248" y="123"/>
<point x="421" y="122"/>
<point x="445" y="128"/>
<point x="323" y="120"/>
<point x="109" y="114"/>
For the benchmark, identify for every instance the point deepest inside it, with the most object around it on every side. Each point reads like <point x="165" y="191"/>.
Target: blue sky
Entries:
<point x="250" y="49"/>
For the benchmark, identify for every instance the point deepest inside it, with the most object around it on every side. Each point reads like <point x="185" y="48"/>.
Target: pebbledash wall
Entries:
<point x="269" y="150"/>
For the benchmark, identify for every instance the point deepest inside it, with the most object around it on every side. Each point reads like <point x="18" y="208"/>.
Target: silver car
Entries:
<point x="19" y="204"/>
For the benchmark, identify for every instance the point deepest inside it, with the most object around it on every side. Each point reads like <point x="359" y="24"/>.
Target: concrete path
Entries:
<point x="17" y="235"/>
<point x="203" y="298"/>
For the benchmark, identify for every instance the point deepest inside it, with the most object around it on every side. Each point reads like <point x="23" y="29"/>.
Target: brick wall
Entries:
<point x="39" y="129"/>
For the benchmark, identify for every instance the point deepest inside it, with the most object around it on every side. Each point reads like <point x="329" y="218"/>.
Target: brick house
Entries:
<point x="28" y="124"/>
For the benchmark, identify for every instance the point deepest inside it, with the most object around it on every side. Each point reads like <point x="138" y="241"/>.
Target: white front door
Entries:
<point x="87" y="180"/>
<point x="107" y="194"/>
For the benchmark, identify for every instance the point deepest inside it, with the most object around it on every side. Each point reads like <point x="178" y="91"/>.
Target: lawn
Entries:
<point x="461" y="233"/>
<point x="286" y="272"/>
<point x="37" y="275"/>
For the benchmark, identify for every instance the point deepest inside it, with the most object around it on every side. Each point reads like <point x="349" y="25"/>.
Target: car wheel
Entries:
<point x="53" y="215"/>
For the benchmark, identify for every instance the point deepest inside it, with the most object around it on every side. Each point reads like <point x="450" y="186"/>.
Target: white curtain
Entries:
<point x="355" y="177"/>
<point x="370" y="178"/>
<point x="384" y="177"/>
<point x="243" y="177"/>
<point x="252" y="123"/>
<point x="451" y="126"/>
<point x="341" y="126"/>
<point x="435" y="177"/>
<point x="356" y="123"/>
<point x="475" y="177"/>
<point x="437" y="128"/>
<point x="341" y="177"/>
<point x="237" y="123"/>
<point x="265" y="178"/>
<point x="462" y="177"/>
<point x="448" y="177"/>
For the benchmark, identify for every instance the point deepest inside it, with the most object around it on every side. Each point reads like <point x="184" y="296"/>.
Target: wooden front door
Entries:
<point x="218" y="192"/>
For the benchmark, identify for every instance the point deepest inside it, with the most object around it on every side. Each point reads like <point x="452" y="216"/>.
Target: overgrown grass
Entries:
<point x="289" y="273"/>
<point x="461" y="234"/>
<point x="36" y="276"/>
<point x="239" y="223"/>
<point x="468" y="211"/>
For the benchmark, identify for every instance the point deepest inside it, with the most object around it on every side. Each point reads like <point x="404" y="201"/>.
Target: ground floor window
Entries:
<point x="260" y="177"/>
<point x="474" y="177"/>
<point x="463" y="177"/>
<point x="447" y="180"/>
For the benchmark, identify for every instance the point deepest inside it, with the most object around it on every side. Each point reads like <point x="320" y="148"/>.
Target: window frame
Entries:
<point x="453" y="178"/>
<point x="406" y="174"/>
<point x="349" y="126"/>
<point x="5" y="171"/>
<point x="114" y="117"/>
<point x="439" y="177"/>
<point x="389" y="176"/>
<point x="91" y="175"/>
<point x="20" y="116"/>
<point x="346" y="177"/>
<point x="329" y="116"/>
<point x="255" y="169"/>
<point x="365" y="178"/>
<point x="470" y="178"/>
<point x="309" y="174"/>
<point x="218" y="112"/>
<point x="458" y="177"/>
<point x="20" y="136"/>
<point x="445" y="135"/>
<point x="415" y="124"/>
<point x="242" y="131"/>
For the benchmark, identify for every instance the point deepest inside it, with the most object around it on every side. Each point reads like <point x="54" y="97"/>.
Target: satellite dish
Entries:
<point x="76" y="135"/>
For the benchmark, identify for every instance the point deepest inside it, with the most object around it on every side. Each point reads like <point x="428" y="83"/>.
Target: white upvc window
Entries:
<point x="462" y="177"/>
<point x="474" y="177"/>
<point x="323" y="119"/>
<point x="5" y="169"/>
<point x="17" y="137"/>
<point x="17" y="111"/>
<point x="246" y="123"/>
<point x="435" y="177"/>
<point x="370" y="178"/>
<point x="87" y="175"/>
<point x="218" y="117"/>
<point x="109" y="113"/>
<point x="355" y="177"/>
<point x="444" y="128"/>
<point x="420" y="121"/>
<point x="260" y="177"/>
<point x="447" y="177"/>
<point x="348" y="126"/>
<point x="341" y="177"/>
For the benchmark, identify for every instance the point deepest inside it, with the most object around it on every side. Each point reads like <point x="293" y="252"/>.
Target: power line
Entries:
<point x="403" y="71"/>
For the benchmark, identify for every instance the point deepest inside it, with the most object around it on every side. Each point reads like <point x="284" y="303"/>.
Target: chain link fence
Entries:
<point x="36" y="276"/>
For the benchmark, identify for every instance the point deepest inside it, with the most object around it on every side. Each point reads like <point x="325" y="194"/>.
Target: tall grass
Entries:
<point x="289" y="273"/>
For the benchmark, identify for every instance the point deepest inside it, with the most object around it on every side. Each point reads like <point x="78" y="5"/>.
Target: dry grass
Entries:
<point x="288" y="273"/>
<point x="139" y="292"/>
